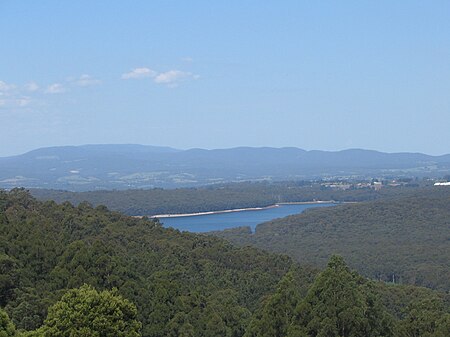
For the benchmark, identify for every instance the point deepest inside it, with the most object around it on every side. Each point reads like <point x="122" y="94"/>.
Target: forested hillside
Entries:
<point x="401" y="240"/>
<point x="180" y="284"/>
<point x="219" y="197"/>
<point x="46" y="249"/>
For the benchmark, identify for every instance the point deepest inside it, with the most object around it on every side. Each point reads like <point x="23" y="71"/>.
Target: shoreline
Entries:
<point x="163" y="216"/>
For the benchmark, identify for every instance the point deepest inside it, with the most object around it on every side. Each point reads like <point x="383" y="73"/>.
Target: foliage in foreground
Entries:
<point x="182" y="284"/>
<point x="7" y="328"/>
<point x="178" y="281"/>
<point x="341" y="303"/>
<point x="87" y="312"/>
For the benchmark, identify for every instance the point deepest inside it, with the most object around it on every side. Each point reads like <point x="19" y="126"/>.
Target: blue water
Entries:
<point x="216" y="222"/>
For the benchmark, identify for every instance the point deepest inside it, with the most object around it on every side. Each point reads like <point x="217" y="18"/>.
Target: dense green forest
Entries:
<point x="401" y="240"/>
<point x="78" y="270"/>
<point x="48" y="248"/>
<point x="219" y="197"/>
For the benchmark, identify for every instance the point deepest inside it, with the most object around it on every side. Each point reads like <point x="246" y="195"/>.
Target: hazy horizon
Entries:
<point x="221" y="148"/>
<point x="313" y="75"/>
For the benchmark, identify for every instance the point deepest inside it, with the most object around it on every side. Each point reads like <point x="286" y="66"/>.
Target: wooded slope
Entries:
<point x="402" y="240"/>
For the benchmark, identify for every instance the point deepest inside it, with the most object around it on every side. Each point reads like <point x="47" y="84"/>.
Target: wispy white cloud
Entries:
<point x="23" y="101"/>
<point x="139" y="73"/>
<point x="14" y="96"/>
<point x="15" y="102"/>
<point x="55" y="88"/>
<point x="32" y="86"/>
<point x="173" y="77"/>
<point x="4" y="87"/>
<point x="85" y="80"/>
<point x="170" y="76"/>
<point x="11" y="96"/>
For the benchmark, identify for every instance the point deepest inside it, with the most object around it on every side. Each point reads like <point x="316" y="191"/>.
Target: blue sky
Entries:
<point x="326" y="75"/>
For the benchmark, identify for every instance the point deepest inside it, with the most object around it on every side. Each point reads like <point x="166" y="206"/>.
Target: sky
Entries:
<point x="324" y="75"/>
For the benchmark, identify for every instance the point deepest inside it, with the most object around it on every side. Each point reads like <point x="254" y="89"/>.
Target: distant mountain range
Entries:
<point x="90" y="167"/>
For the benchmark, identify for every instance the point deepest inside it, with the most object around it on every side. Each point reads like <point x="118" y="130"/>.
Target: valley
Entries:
<point x="179" y="279"/>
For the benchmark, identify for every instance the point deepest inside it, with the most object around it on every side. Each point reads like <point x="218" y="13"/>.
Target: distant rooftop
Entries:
<point x="442" y="184"/>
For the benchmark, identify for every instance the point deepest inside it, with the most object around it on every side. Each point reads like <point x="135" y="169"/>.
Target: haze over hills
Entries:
<point x="124" y="166"/>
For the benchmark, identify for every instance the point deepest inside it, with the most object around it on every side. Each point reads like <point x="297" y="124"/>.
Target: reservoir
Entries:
<point x="221" y="221"/>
